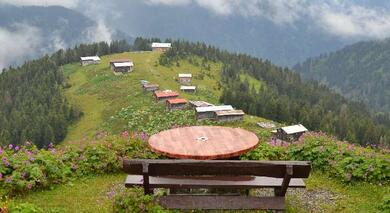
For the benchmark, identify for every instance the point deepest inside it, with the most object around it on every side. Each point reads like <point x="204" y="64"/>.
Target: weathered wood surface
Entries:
<point x="203" y="142"/>
<point x="221" y="202"/>
<point x="277" y="169"/>
<point x="193" y="182"/>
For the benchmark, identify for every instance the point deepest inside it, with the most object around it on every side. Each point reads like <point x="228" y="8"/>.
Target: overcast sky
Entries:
<point x="349" y="18"/>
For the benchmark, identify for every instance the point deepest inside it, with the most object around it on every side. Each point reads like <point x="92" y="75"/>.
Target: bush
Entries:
<point x="133" y="200"/>
<point x="26" y="168"/>
<point x="25" y="208"/>
<point x="342" y="160"/>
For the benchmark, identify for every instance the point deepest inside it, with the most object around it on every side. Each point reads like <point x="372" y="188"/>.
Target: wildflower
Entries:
<point x="50" y="146"/>
<point x="53" y="151"/>
<point x="10" y="146"/>
<point x="125" y="134"/>
<point x="8" y="180"/>
<point x="5" y="162"/>
<point x="29" y="153"/>
<point x="29" y="186"/>
<point x="144" y="136"/>
<point x="1" y="150"/>
<point x="24" y="174"/>
<point x="31" y="159"/>
<point x="17" y="148"/>
<point x="1" y="176"/>
<point x="74" y="166"/>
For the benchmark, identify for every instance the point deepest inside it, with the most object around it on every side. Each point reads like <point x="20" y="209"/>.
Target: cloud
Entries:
<point x="169" y="2"/>
<point x="17" y="43"/>
<point x="64" y="3"/>
<point x="341" y="18"/>
<point x="99" y="32"/>
<point x="353" y="21"/>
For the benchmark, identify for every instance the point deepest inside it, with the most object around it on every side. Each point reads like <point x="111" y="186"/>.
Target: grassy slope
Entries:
<point x="100" y="94"/>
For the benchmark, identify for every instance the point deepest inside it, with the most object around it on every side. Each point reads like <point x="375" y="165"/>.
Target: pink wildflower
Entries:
<point x="17" y="148"/>
<point x="29" y="186"/>
<point x="10" y="146"/>
<point x="125" y="134"/>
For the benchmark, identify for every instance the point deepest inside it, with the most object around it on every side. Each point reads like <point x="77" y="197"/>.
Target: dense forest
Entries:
<point x="32" y="105"/>
<point x="285" y="97"/>
<point x="360" y="71"/>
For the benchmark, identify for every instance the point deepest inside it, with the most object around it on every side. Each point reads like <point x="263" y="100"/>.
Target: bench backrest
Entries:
<point x="277" y="169"/>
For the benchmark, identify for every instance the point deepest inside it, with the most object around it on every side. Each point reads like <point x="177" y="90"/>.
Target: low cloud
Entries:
<point x="64" y="3"/>
<point x="17" y="43"/>
<point x="340" y="18"/>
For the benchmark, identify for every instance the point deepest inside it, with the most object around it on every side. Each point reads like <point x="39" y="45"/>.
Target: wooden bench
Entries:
<point x="217" y="174"/>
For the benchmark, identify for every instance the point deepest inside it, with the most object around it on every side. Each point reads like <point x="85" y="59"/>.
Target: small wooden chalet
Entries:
<point x="231" y="115"/>
<point x="150" y="87"/>
<point x="165" y="95"/>
<point x="290" y="133"/>
<point x="195" y="104"/>
<point x="185" y="78"/>
<point x="190" y="89"/>
<point x="84" y="61"/>
<point x="209" y="112"/>
<point x="121" y="65"/>
<point x="176" y="103"/>
<point x="161" y="47"/>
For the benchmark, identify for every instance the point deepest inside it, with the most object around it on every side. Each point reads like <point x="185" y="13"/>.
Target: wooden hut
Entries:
<point x="176" y="103"/>
<point x="290" y="133"/>
<point x="209" y="112"/>
<point x="150" y="87"/>
<point x="195" y="104"/>
<point x="189" y="89"/>
<point x="165" y="95"/>
<point x="84" y="61"/>
<point x="231" y="115"/>
<point x="161" y="47"/>
<point x="185" y="78"/>
<point x="121" y="65"/>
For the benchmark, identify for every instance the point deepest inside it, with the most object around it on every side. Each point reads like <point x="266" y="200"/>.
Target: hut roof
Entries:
<point x="230" y="112"/>
<point x="214" y="108"/>
<point x="161" y="45"/>
<point x="165" y="94"/>
<point x="90" y="58"/>
<point x="294" y="129"/>
<point x="177" y="101"/>
<point x="123" y="64"/>
<point x="185" y="75"/>
<point x="187" y="87"/>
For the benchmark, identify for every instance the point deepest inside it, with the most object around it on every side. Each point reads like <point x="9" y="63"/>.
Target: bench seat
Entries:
<point x="190" y="182"/>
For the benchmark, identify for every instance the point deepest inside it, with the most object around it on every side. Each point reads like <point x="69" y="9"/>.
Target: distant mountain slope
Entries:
<point x="360" y="71"/>
<point x="29" y="32"/>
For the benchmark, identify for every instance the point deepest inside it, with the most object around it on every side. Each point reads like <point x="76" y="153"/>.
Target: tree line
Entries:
<point x="32" y="104"/>
<point x="285" y="97"/>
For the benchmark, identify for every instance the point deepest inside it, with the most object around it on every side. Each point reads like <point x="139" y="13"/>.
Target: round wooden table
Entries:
<point x="203" y="142"/>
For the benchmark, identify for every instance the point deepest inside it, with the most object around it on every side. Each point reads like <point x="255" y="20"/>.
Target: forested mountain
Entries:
<point x="285" y="97"/>
<point x="31" y="31"/>
<point x="360" y="72"/>
<point x="32" y="104"/>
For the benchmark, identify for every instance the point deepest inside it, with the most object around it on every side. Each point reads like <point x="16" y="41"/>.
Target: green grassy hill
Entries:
<point x="112" y="104"/>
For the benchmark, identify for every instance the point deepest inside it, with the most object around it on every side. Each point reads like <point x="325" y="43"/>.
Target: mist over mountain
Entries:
<point x="30" y="31"/>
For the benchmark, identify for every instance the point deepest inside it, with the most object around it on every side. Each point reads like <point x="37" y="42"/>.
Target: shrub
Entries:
<point x="27" y="168"/>
<point x="342" y="160"/>
<point x="133" y="200"/>
<point x="385" y="205"/>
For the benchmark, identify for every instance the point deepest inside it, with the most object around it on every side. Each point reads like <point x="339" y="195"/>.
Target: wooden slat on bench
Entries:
<point x="277" y="169"/>
<point x="221" y="202"/>
<point x="212" y="182"/>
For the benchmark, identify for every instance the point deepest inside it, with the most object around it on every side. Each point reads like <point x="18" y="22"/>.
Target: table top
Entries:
<point x="203" y="142"/>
